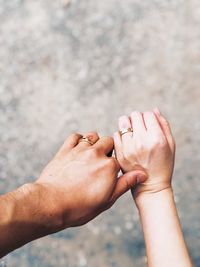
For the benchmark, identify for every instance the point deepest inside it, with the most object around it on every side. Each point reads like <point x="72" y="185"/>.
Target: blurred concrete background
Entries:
<point x="77" y="65"/>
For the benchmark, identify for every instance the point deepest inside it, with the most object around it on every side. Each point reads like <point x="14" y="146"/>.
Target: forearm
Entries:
<point x="164" y="240"/>
<point x="23" y="218"/>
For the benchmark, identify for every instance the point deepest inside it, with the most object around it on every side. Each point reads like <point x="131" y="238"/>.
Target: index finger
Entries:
<point x="105" y="145"/>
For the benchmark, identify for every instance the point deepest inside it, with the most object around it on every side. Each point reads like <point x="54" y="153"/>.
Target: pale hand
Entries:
<point x="150" y="147"/>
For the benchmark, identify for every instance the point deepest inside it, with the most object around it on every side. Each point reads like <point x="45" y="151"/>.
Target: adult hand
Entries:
<point x="81" y="181"/>
<point x="150" y="148"/>
<point x="78" y="184"/>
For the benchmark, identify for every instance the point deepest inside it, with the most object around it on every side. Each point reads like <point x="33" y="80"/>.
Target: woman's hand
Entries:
<point x="150" y="147"/>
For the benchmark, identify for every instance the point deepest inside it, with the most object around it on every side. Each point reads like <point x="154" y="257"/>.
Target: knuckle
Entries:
<point x="163" y="144"/>
<point x="110" y="140"/>
<point x="71" y="140"/>
<point x="128" y="154"/>
<point x="159" y="142"/>
<point x="92" y="153"/>
<point x="140" y="146"/>
<point x="112" y="163"/>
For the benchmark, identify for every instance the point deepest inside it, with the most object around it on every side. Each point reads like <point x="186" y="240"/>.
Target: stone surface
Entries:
<point x="77" y="65"/>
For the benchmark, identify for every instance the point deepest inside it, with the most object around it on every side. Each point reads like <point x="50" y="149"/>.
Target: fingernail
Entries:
<point x="141" y="178"/>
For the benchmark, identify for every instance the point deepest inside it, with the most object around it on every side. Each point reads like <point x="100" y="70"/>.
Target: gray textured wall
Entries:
<point x="77" y="65"/>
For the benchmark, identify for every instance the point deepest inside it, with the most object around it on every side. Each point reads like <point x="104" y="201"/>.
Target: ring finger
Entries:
<point x="125" y="129"/>
<point x="88" y="140"/>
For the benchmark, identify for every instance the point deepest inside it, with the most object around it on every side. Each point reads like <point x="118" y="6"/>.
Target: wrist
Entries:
<point x="153" y="195"/>
<point x="24" y="217"/>
<point x="47" y="213"/>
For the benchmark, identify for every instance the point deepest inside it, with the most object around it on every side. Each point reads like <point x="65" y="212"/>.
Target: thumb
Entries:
<point x="127" y="181"/>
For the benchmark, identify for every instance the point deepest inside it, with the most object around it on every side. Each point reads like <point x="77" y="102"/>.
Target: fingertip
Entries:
<point x="105" y="144"/>
<point x="92" y="135"/>
<point x="74" y="135"/>
<point x="135" y="113"/>
<point x="124" y="122"/>
<point x="122" y="117"/>
<point x="156" y="110"/>
<point x="141" y="177"/>
<point x="110" y="138"/>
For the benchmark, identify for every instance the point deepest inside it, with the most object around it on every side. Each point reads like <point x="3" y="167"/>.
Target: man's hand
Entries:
<point x="78" y="184"/>
<point x="81" y="181"/>
<point x="150" y="148"/>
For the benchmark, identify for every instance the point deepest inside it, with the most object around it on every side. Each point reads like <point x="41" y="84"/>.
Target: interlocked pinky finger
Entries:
<point x="118" y="146"/>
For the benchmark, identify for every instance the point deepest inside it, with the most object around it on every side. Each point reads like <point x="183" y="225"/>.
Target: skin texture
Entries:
<point x="82" y="181"/>
<point x="151" y="148"/>
<point x="85" y="178"/>
<point x="78" y="184"/>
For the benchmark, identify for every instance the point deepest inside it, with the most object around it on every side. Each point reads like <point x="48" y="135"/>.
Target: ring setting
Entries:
<point x="126" y="130"/>
<point x="86" y="139"/>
